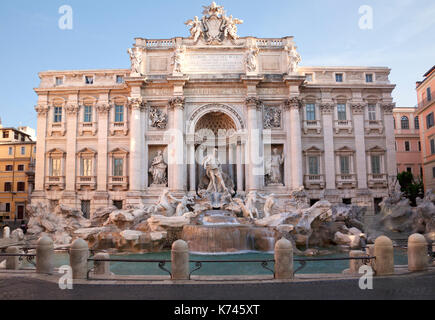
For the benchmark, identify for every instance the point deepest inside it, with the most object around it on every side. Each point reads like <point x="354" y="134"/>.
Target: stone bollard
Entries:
<point x="44" y="255"/>
<point x="418" y="259"/>
<point x="355" y="265"/>
<point x="102" y="267"/>
<point x="180" y="260"/>
<point x="384" y="253"/>
<point x="12" y="263"/>
<point x="284" y="260"/>
<point x="78" y="257"/>
<point x="6" y="232"/>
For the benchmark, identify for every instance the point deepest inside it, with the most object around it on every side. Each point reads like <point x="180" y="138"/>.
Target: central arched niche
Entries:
<point x="216" y="130"/>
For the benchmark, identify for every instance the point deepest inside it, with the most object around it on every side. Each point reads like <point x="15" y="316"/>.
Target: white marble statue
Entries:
<point x="178" y="59"/>
<point x="269" y="205"/>
<point x="251" y="59"/>
<point x="231" y="27"/>
<point x="196" y="28"/>
<point x="274" y="170"/>
<point x="158" y="170"/>
<point x="214" y="173"/>
<point x="136" y="60"/>
<point x="293" y="60"/>
<point x="182" y="206"/>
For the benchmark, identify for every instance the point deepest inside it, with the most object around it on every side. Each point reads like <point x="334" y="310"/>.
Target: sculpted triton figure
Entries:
<point x="164" y="206"/>
<point x="158" y="170"/>
<point x="214" y="173"/>
<point x="274" y="171"/>
<point x="136" y="60"/>
<point x="269" y="205"/>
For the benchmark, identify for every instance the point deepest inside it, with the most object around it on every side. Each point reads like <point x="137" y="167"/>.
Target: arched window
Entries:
<point x="416" y="123"/>
<point x="405" y="123"/>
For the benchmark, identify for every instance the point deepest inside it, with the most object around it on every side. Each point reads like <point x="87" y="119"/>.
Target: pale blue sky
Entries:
<point x="326" y="33"/>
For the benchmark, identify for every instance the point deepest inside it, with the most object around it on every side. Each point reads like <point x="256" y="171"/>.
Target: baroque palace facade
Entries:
<point x="122" y="136"/>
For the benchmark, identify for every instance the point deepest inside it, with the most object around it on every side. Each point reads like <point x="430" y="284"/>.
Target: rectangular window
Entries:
<point x="8" y="187"/>
<point x="16" y="136"/>
<point x="118" y="167"/>
<point x="419" y="146"/>
<point x="119" y="113"/>
<point x="23" y="151"/>
<point x="8" y="207"/>
<point x="313" y="163"/>
<point x="372" y="112"/>
<point x="432" y="146"/>
<point x="338" y="77"/>
<point x="57" y="114"/>
<point x="409" y="170"/>
<point x="429" y="94"/>
<point x="416" y="123"/>
<point x="5" y="134"/>
<point x="59" y="81"/>
<point x="89" y="80"/>
<point x="345" y="165"/>
<point x="407" y="146"/>
<point x="86" y="168"/>
<point x="119" y="79"/>
<point x="309" y="77"/>
<point x="9" y="168"/>
<point x="430" y="120"/>
<point x="21" y="186"/>
<point x="21" y="167"/>
<point x="56" y="169"/>
<point x="433" y="172"/>
<point x="341" y="112"/>
<point x="10" y="151"/>
<point x="87" y="114"/>
<point x="369" y="78"/>
<point x="311" y="112"/>
<point x="376" y="164"/>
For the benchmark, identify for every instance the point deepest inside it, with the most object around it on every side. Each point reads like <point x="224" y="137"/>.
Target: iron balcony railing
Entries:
<point x="424" y="103"/>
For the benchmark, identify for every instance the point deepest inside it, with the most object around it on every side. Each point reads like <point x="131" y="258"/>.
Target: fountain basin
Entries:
<point x="228" y="238"/>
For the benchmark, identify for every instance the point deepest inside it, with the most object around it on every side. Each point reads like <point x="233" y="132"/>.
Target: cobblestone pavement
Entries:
<point x="413" y="286"/>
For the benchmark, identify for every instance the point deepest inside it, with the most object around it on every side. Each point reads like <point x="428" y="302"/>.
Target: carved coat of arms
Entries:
<point x="215" y="26"/>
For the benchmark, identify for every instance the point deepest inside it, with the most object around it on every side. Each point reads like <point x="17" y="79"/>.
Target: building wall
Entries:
<point x="408" y="159"/>
<point x="14" y="197"/>
<point x="425" y="108"/>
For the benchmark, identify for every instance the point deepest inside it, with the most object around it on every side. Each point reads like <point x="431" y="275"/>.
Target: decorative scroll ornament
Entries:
<point x="72" y="109"/>
<point x="293" y="60"/>
<point x="136" y="60"/>
<point x="158" y="118"/>
<point x="177" y="102"/>
<point x="327" y="108"/>
<point x="293" y="103"/>
<point x="214" y="27"/>
<point x="272" y="118"/>
<point x="41" y="110"/>
<point x="358" y="108"/>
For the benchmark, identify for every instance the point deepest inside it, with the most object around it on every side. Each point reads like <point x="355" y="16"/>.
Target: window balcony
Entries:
<point x="314" y="181"/>
<point x="346" y="181"/>
<point x="88" y="127"/>
<point x="118" y="183"/>
<point x="57" y="127"/>
<point x="55" y="182"/>
<point x="86" y="182"/>
<point x="118" y="127"/>
<point x="343" y="125"/>
<point x="377" y="181"/>
<point x="312" y="125"/>
<point x="374" y="126"/>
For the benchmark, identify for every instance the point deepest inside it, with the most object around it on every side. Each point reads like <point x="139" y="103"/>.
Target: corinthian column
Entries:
<point x="103" y="118"/>
<point x="71" y="147"/>
<point x="42" y="111"/>
<point x="360" y="144"/>
<point x="176" y="161"/>
<point x="137" y="144"/>
<point x="294" y="105"/>
<point x="327" y="110"/>
<point x="390" y="141"/>
<point x="255" y="162"/>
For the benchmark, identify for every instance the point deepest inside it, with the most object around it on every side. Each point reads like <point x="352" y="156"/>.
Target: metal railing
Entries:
<point x="198" y="264"/>
<point x="303" y="262"/>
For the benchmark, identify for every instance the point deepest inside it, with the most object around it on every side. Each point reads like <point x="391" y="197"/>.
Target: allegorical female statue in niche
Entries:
<point x="158" y="170"/>
<point x="274" y="171"/>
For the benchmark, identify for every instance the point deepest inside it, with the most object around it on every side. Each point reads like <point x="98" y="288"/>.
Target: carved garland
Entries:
<point x="358" y="108"/>
<point x="327" y="108"/>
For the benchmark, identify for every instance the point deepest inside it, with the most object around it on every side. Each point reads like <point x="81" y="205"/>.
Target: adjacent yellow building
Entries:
<point x="17" y="162"/>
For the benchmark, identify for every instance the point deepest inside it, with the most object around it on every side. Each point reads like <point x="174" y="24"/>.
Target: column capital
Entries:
<point x="72" y="109"/>
<point x="293" y="103"/>
<point x="388" y="107"/>
<point x="327" y="108"/>
<point x="137" y="103"/>
<point x="358" y="107"/>
<point x="177" y="103"/>
<point x="42" y="110"/>
<point x="253" y="102"/>
<point x="103" y="108"/>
